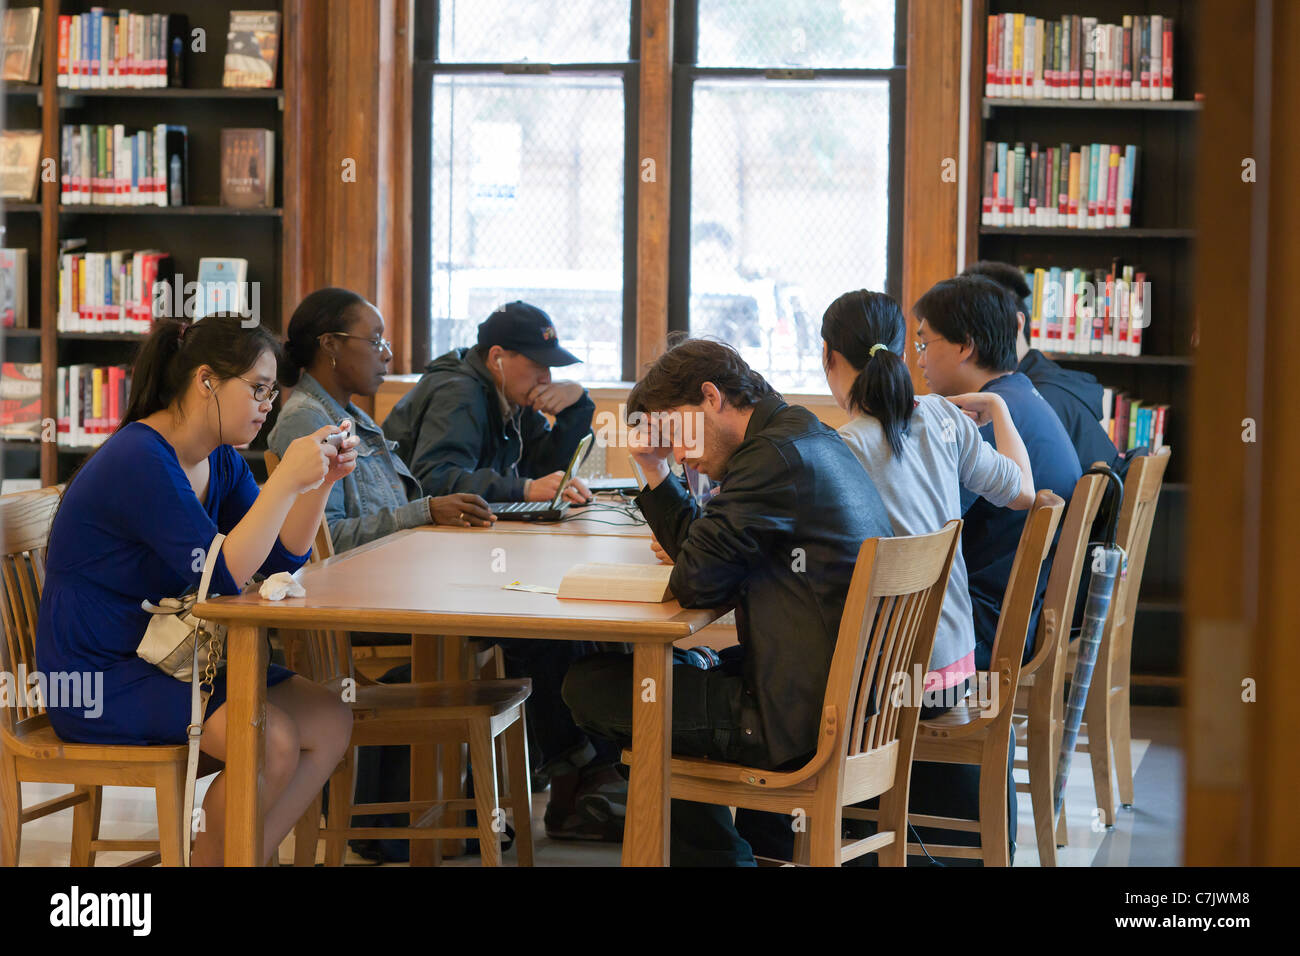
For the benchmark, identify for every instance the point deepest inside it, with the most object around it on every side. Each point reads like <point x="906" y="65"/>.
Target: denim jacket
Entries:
<point x="380" y="496"/>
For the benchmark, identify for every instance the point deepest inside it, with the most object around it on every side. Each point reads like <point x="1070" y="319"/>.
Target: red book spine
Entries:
<point x="65" y="32"/>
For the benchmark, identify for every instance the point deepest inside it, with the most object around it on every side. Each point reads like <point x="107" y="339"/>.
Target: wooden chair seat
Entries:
<point x="451" y="699"/>
<point x="964" y="719"/>
<point x="35" y="739"/>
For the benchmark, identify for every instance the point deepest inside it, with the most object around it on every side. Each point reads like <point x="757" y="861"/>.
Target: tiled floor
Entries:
<point x="1148" y="835"/>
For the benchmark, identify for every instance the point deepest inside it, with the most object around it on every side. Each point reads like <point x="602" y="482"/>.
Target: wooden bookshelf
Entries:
<point x="264" y="237"/>
<point x="1161" y="241"/>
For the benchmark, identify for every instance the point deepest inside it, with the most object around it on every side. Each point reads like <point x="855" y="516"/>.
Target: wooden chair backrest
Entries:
<point x="25" y="520"/>
<point x="1133" y="534"/>
<point x="1018" y="599"/>
<point x="328" y="653"/>
<point x="1067" y="569"/>
<point x="888" y="627"/>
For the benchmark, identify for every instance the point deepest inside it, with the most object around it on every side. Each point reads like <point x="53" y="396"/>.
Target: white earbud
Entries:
<point x="207" y="383"/>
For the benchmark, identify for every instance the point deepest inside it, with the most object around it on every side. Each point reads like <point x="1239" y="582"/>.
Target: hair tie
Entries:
<point x="874" y="348"/>
<point x="185" y="327"/>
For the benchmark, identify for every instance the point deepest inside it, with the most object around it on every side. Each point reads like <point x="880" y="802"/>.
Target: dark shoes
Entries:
<point x="587" y="804"/>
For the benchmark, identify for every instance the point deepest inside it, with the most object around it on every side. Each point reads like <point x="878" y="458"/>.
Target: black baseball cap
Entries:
<point x="520" y="327"/>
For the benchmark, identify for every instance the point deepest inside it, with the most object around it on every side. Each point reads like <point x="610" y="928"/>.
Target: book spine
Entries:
<point x="65" y="28"/>
<point x="1126" y="64"/>
<point x="1031" y="212"/>
<point x="1036" y="310"/>
<point x="1140" y="312"/>
<point x="990" y="57"/>
<point x="1021" y="186"/>
<point x="1063" y="185"/>
<point x="1000" y="198"/>
<point x="1135" y="58"/>
<point x="1007" y="32"/>
<point x="1112" y="185"/>
<point x="1041" y="60"/>
<point x="1089" y="57"/>
<point x="986" y="197"/>
<point x="1160" y="427"/>
<point x="1157" y="46"/>
<point x="1072" y="210"/>
<point x="1017" y="55"/>
<point x="1167" y="59"/>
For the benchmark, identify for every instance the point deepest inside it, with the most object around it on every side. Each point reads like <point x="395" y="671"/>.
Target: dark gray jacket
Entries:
<point x="451" y="432"/>
<point x="779" y="540"/>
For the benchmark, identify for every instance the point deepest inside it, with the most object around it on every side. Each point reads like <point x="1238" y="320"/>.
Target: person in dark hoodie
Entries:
<point x="476" y="421"/>
<point x="1074" y="396"/>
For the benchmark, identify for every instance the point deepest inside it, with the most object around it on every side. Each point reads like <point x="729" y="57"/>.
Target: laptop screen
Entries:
<point x="579" y="453"/>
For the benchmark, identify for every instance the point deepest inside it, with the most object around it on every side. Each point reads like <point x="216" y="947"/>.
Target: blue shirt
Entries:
<point x="992" y="534"/>
<point x="129" y="528"/>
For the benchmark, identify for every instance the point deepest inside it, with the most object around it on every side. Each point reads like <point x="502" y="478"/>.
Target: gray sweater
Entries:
<point x="942" y="451"/>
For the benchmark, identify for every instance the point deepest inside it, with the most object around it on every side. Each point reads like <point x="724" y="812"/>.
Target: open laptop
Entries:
<point x="552" y="510"/>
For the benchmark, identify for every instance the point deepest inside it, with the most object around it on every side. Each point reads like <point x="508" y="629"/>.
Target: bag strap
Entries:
<point x="198" y="703"/>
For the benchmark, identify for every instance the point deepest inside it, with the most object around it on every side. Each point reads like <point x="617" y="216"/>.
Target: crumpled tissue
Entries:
<point x="281" y="585"/>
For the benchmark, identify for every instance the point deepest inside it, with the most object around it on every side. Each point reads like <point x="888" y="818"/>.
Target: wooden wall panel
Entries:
<point x="1242" y="775"/>
<point x="933" y="121"/>
<point x="654" y="141"/>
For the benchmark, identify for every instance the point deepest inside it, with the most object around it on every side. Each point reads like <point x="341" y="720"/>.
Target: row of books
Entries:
<point x="109" y="291"/>
<point x="1090" y="187"/>
<point x="1088" y="311"/>
<point x="91" y="401"/>
<point x="1130" y="423"/>
<point x="13" y="288"/>
<point x="114" y="166"/>
<point x="1076" y="58"/>
<point x="22" y="45"/>
<point x="104" y="49"/>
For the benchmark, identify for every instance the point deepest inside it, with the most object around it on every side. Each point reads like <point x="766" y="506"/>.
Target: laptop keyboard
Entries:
<point x="521" y="507"/>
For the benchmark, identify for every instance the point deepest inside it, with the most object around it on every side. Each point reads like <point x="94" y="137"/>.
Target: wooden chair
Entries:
<point x="1040" y="696"/>
<point x="981" y="735"/>
<point x="1106" y="713"/>
<point x="864" y="744"/>
<point x="31" y="752"/>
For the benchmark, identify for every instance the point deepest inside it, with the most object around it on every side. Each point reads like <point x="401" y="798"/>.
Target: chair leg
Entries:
<point x="483" y="763"/>
<point x="1062" y="831"/>
<point x="825" y="823"/>
<point x="306" y="835"/>
<point x="11" y="802"/>
<point x="1042" y="771"/>
<point x="1096" y="712"/>
<point x="1122" y="741"/>
<point x="893" y="816"/>
<point x="802" y="846"/>
<point x="340" y="808"/>
<point x="521" y="793"/>
<point x="169" y="788"/>
<point x="85" y="825"/>
<point x="994" y="836"/>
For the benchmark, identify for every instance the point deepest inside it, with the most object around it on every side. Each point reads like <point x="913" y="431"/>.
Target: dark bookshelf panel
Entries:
<point x="202" y="70"/>
<point x="1163" y="575"/>
<point x="254" y="239"/>
<point x="1184" y="12"/>
<point x="1157" y="638"/>
<point x="22" y="112"/>
<point x="1167" y="265"/>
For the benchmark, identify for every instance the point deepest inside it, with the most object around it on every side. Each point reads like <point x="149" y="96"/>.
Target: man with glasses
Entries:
<point x="966" y="340"/>
<point x="476" y="421"/>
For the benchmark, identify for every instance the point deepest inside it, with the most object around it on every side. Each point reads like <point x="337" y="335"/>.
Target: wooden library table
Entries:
<point x="433" y="582"/>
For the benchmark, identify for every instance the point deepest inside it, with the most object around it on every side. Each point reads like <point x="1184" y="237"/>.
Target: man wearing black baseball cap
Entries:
<point x="475" y="421"/>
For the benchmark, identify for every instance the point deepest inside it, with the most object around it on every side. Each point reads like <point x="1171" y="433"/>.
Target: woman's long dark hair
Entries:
<point x="323" y="311"/>
<point x="855" y="322"/>
<point x="174" y="349"/>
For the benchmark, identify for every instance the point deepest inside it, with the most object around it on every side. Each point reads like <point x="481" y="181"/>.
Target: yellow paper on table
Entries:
<point x="644" y="583"/>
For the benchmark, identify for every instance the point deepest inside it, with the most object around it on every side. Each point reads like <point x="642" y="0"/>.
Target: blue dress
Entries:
<point x="130" y="527"/>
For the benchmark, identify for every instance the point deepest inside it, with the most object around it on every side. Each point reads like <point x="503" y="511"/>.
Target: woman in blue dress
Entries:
<point x="134" y="524"/>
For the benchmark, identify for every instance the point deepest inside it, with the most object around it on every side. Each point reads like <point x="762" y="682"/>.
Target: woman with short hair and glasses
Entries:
<point x="134" y="524"/>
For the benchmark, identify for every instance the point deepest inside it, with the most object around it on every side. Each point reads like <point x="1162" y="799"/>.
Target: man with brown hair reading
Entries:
<point x="778" y="540"/>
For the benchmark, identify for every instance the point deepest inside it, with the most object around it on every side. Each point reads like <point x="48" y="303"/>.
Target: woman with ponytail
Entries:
<point x="919" y="452"/>
<point x="134" y="525"/>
